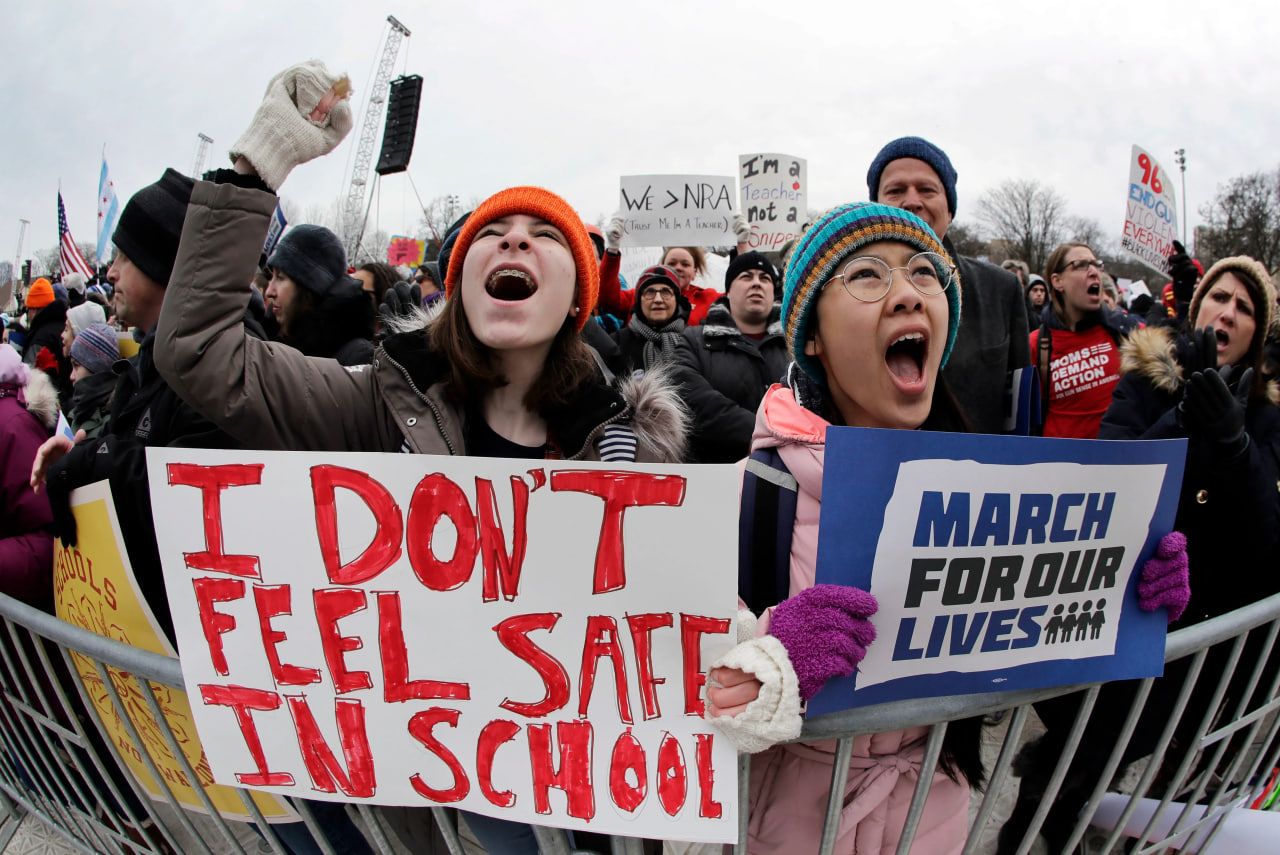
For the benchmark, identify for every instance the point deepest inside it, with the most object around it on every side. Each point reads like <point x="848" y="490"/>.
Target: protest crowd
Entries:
<point x="521" y="340"/>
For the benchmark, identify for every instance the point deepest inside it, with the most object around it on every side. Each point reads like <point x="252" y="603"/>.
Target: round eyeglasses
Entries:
<point x="868" y="279"/>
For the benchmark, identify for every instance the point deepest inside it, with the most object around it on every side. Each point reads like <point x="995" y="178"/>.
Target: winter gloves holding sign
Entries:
<point x="304" y="115"/>
<point x="757" y="688"/>
<point x="1210" y="409"/>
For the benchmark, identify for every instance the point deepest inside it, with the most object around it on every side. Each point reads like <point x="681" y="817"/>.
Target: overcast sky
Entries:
<point x="571" y="94"/>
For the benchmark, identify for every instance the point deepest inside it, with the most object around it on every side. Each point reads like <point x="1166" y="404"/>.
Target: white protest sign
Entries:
<point x="1151" y="212"/>
<point x="773" y="192"/>
<point x="932" y="642"/>
<point x="997" y="562"/>
<point x="676" y="210"/>
<point x="523" y="639"/>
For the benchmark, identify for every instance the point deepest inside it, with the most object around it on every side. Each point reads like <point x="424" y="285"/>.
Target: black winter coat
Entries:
<point x="145" y="413"/>
<point x="1229" y="509"/>
<point x="46" y="332"/>
<point x="723" y="376"/>
<point x="340" y="328"/>
<point x="992" y="342"/>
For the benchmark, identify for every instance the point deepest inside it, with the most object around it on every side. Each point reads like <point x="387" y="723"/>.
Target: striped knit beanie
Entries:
<point x="827" y="244"/>
<point x="96" y="348"/>
<point x="546" y="206"/>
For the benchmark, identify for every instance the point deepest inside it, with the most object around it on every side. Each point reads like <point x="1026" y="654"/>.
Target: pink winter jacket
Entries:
<point x="789" y="783"/>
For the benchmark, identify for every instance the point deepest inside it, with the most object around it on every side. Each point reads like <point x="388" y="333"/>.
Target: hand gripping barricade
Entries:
<point x="1212" y="753"/>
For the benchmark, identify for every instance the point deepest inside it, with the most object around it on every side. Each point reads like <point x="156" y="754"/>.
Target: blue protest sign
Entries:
<point x="999" y="562"/>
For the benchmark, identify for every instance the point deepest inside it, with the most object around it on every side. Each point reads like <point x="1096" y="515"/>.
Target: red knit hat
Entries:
<point x="40" y="294"/>
<point x="547" y="206"/>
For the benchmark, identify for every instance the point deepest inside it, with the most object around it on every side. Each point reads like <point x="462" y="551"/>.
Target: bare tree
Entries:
<point x="1243" y="219"/>
<point x="1028" y="216"/>
<point x="967" y="240"/>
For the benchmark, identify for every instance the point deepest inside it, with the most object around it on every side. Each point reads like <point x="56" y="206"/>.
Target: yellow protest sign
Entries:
<point x="95" y="589"/>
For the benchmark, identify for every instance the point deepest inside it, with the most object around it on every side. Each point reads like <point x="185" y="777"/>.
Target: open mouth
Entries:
<point x="1222" y="336"/>
<point x="510" y="285"/>
<point x="905" y="357"/>
<point x="1095" y="290"/>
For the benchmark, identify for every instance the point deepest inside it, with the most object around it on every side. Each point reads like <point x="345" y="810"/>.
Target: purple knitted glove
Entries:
<point x="825" y="631"/>
<point x="1165" y="579"/>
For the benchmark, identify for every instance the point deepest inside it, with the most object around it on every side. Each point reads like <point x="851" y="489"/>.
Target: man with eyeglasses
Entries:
<point x="727" y="364"/>
<point x="914" y="174"/>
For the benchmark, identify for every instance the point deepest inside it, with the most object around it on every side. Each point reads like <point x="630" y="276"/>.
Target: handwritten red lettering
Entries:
<point x="211" y="481"/>
<point x="641" y="626"/>
<point x="434" y="498"/>
<point x="501" y="569"/>
<point x="493" y="735"/>
<point x="620" y="490"/>
<point x="574" y="775"/>
<point x="602" y="640"/>
<point x="357" y="780"/>
<point x="421" y="726"/>
<point x="242" y="699"/>
<point x="396" y="685"/>
<point x="382" y="551"/>
<point x="513" y="633"/>
<point x="273" y="600"/>
<point x="331" y="605"/>
<point x="215" y="624"/>
<point x="692" y="628"/>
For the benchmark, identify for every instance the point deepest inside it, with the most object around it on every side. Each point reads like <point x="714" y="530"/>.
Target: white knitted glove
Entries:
<point x="282" y="135"/>
<point x="774" y="716"/>
<point x="741" y="228"/>
<point x="613" y="232"/>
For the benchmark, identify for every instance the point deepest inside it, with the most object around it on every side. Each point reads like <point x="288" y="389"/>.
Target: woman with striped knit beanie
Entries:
<point x="870" y="308"/>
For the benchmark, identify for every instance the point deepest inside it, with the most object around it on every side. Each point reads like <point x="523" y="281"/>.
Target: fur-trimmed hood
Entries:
<point x="1152" y="353"/>
<point x="659" y="416"/>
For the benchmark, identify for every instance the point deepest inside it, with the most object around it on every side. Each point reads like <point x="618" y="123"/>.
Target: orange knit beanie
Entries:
<point x="547" y="206"/>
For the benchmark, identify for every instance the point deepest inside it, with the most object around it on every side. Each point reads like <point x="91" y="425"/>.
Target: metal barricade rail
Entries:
<point x="58" y="763"/>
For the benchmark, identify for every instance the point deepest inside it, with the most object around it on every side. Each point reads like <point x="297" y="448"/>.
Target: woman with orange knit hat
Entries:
<point x="500" y="372"/>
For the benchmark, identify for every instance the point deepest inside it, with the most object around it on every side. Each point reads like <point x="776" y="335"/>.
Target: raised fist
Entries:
<point x="304" y="114"/>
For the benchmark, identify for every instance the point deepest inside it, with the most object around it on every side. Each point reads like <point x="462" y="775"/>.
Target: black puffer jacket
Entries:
<point x="1229" y="509"/>
<point x="340" y="328"/>
<point x="723" y="376"/>
<point x="991" y="343"/>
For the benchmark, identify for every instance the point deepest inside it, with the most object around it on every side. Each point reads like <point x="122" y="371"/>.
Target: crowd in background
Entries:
<point x="522" y="340"/>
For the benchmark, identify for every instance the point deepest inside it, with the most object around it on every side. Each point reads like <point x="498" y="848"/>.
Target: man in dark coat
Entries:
<point x="145" y="412"/>
<point x="914" y="174"/>
<point x="725" y="365"/>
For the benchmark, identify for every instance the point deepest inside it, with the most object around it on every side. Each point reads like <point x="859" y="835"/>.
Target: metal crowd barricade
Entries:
<point x="58" y="764"/>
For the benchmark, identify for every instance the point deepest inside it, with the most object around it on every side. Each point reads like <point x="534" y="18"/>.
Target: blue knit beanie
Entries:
<point x="827" y="244"/>
<point x="920" y="149"/>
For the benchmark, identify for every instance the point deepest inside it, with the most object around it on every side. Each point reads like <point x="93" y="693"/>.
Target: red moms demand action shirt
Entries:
<point x="1083" y="369"/>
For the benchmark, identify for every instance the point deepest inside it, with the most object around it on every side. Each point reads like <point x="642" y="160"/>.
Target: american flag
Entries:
<point x="73" y="260"/>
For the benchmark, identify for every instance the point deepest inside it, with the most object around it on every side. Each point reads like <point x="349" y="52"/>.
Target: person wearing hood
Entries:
<point x="1204" y="385"/>
<point x="1077" y="346"/>
<point x="28" y="412"/>
<point x="321" y="310"/>
<point x="725" y="365"/>
<point x="501" y="371"/>
<point x="658" y="317"/>
<point x="1037" y="296"/>
<point x="94" y="353"/>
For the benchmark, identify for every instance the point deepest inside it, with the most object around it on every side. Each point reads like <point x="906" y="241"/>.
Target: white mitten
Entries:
<point x="741" y="228"/>
<point x="282" y="134"/>
<point x="613" y="232"/>
<point x="774" y="716"/>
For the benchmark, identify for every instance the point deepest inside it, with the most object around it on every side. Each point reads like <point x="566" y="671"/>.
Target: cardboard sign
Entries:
<point x="677" y="210"/>
<point x="773" y="188"/>
<point x="95" y="589"/>
<point x="1151" y="212"/>
<point x="405" y="250"/>
<point x="523" y="639"/>
<point x="998" y="563"/>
